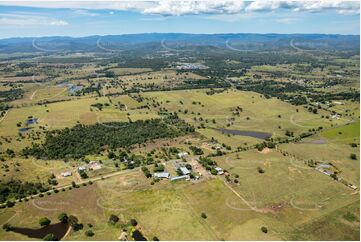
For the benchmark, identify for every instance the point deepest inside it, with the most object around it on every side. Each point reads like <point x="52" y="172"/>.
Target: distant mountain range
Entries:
<point x="171" y="41"/>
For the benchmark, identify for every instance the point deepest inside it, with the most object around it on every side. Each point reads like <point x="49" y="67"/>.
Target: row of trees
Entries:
<point x="16" y="189"/>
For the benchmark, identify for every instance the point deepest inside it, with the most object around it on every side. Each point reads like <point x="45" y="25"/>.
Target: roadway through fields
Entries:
<point x="6" y="113"/>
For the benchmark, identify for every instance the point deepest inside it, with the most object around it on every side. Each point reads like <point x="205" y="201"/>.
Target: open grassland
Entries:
<point x="285" y="181"/>
<point x="346" y="134"/>
<point x="66" y="114"/>
<point x="173" y="210"/>
<point x="291" y="199"/>
<point x="342" y="224"/>
<point x="258" y="114"/>
<point x="127" y="71"/>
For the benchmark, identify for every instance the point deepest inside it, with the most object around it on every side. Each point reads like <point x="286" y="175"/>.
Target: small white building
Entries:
<point x="182" y="154"/>
<point x="324" y="166"/>
<point x="81" y="168"/>
<point x="219" y="170"/>
<point x="176" y="178"/>
<point x="162" y="175"/>
<point x="336" y="116"/>
<point x="65" y="174"/>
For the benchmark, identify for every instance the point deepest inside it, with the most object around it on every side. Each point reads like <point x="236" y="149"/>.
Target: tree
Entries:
<point x="10" y="204"/>
<point x="133" y="222"/>
<point x="89" y="233"/>
<point x="353" y="145"/>
<point x="83" y="174"/>
<point x="264" y="230"/>
<point x="353" y="156"/>
<point x="334" y="176"/>
<point x="260" y="170"/>
<point x="203" y="215"/>
<point x="44" y="221"/>
<point x="113" y="219"/>
<point x="49" y="237"/>
<point x="72" y="220"/>
<point x="7" y="227"/>
<point x="63" y="218"/>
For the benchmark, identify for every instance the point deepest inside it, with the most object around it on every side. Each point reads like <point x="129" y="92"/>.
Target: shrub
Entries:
<point x="7" y="227"/>
<point x="203" y="215"/>
<point x="260" y="170"/>
<point x="77" y="226"/>
<point x="353" y="156"/>
<point x="350" y="217"/>
<point x="44" y="221"/>
<point x="89" y="233"/>
<point x="264" y="230"/>
<point x="133" y="222"/>
<point x="63" y="217"/>
<point x="113" y="219"/>
<point x="10" y="204"/>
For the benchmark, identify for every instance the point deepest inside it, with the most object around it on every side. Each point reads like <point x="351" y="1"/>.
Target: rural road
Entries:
<point x="101" y="177"/>
<point x="6" y="113"/>
<point x="32" y="95"/>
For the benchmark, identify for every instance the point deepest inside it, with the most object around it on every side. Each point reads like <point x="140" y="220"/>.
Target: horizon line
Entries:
<point x="100" y="35"/>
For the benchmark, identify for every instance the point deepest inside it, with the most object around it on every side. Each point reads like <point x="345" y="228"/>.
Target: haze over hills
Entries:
<point x="238" y="41"/>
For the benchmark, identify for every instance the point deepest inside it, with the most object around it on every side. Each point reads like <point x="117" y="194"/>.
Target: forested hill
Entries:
<point x="164" y="40"/>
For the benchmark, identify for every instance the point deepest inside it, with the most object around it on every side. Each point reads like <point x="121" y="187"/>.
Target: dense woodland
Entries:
<point x="81" y="140"/>
<point x="15" y="189"/>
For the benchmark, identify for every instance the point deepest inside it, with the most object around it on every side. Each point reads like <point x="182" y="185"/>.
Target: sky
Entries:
<point x="83" y="18"/>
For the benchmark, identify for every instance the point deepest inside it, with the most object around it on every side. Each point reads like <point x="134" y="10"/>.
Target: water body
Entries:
<point x="31" y="121"/>
<point x="254" y="134"/>
<point x="72" y="89"/>
<point x="137" y="236"/>
<point x="58" y="230"/>
<point x="23" y="130"/>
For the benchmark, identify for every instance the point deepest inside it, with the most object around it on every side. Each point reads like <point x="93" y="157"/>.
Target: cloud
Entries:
<point x="85" y="12"/>
<point x="133" y="5"/>
<point x="59" y="23"/>
<point x="193" y="7"/>
<point x="20" y="19"/>
<point x="305" y="6"/>
<point x="178" y="8"/>
<point x="230" y="17"/>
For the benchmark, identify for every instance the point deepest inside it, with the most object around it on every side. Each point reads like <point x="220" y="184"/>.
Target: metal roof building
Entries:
<point x="162" y="175"/>
<point x="184" y="170"/>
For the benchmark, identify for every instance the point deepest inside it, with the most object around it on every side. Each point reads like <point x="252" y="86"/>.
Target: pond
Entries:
<point x="31" y="121"/>
<point x="23" y="130"/>
<point x="137" y="236"/>
<point x="72" y="89"/>
<point x="254" y="134"/>
<point x="58" y="230"/>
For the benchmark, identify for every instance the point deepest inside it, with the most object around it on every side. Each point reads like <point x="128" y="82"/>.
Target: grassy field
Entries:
<point x="291" y="199"/>
<point x="66" y="114"/>
<point x="259" y="114"/>
<point x="173" y="210"/>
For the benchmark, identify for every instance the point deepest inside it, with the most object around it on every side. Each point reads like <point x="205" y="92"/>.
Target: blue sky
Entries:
<point x="33" y="19"/>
